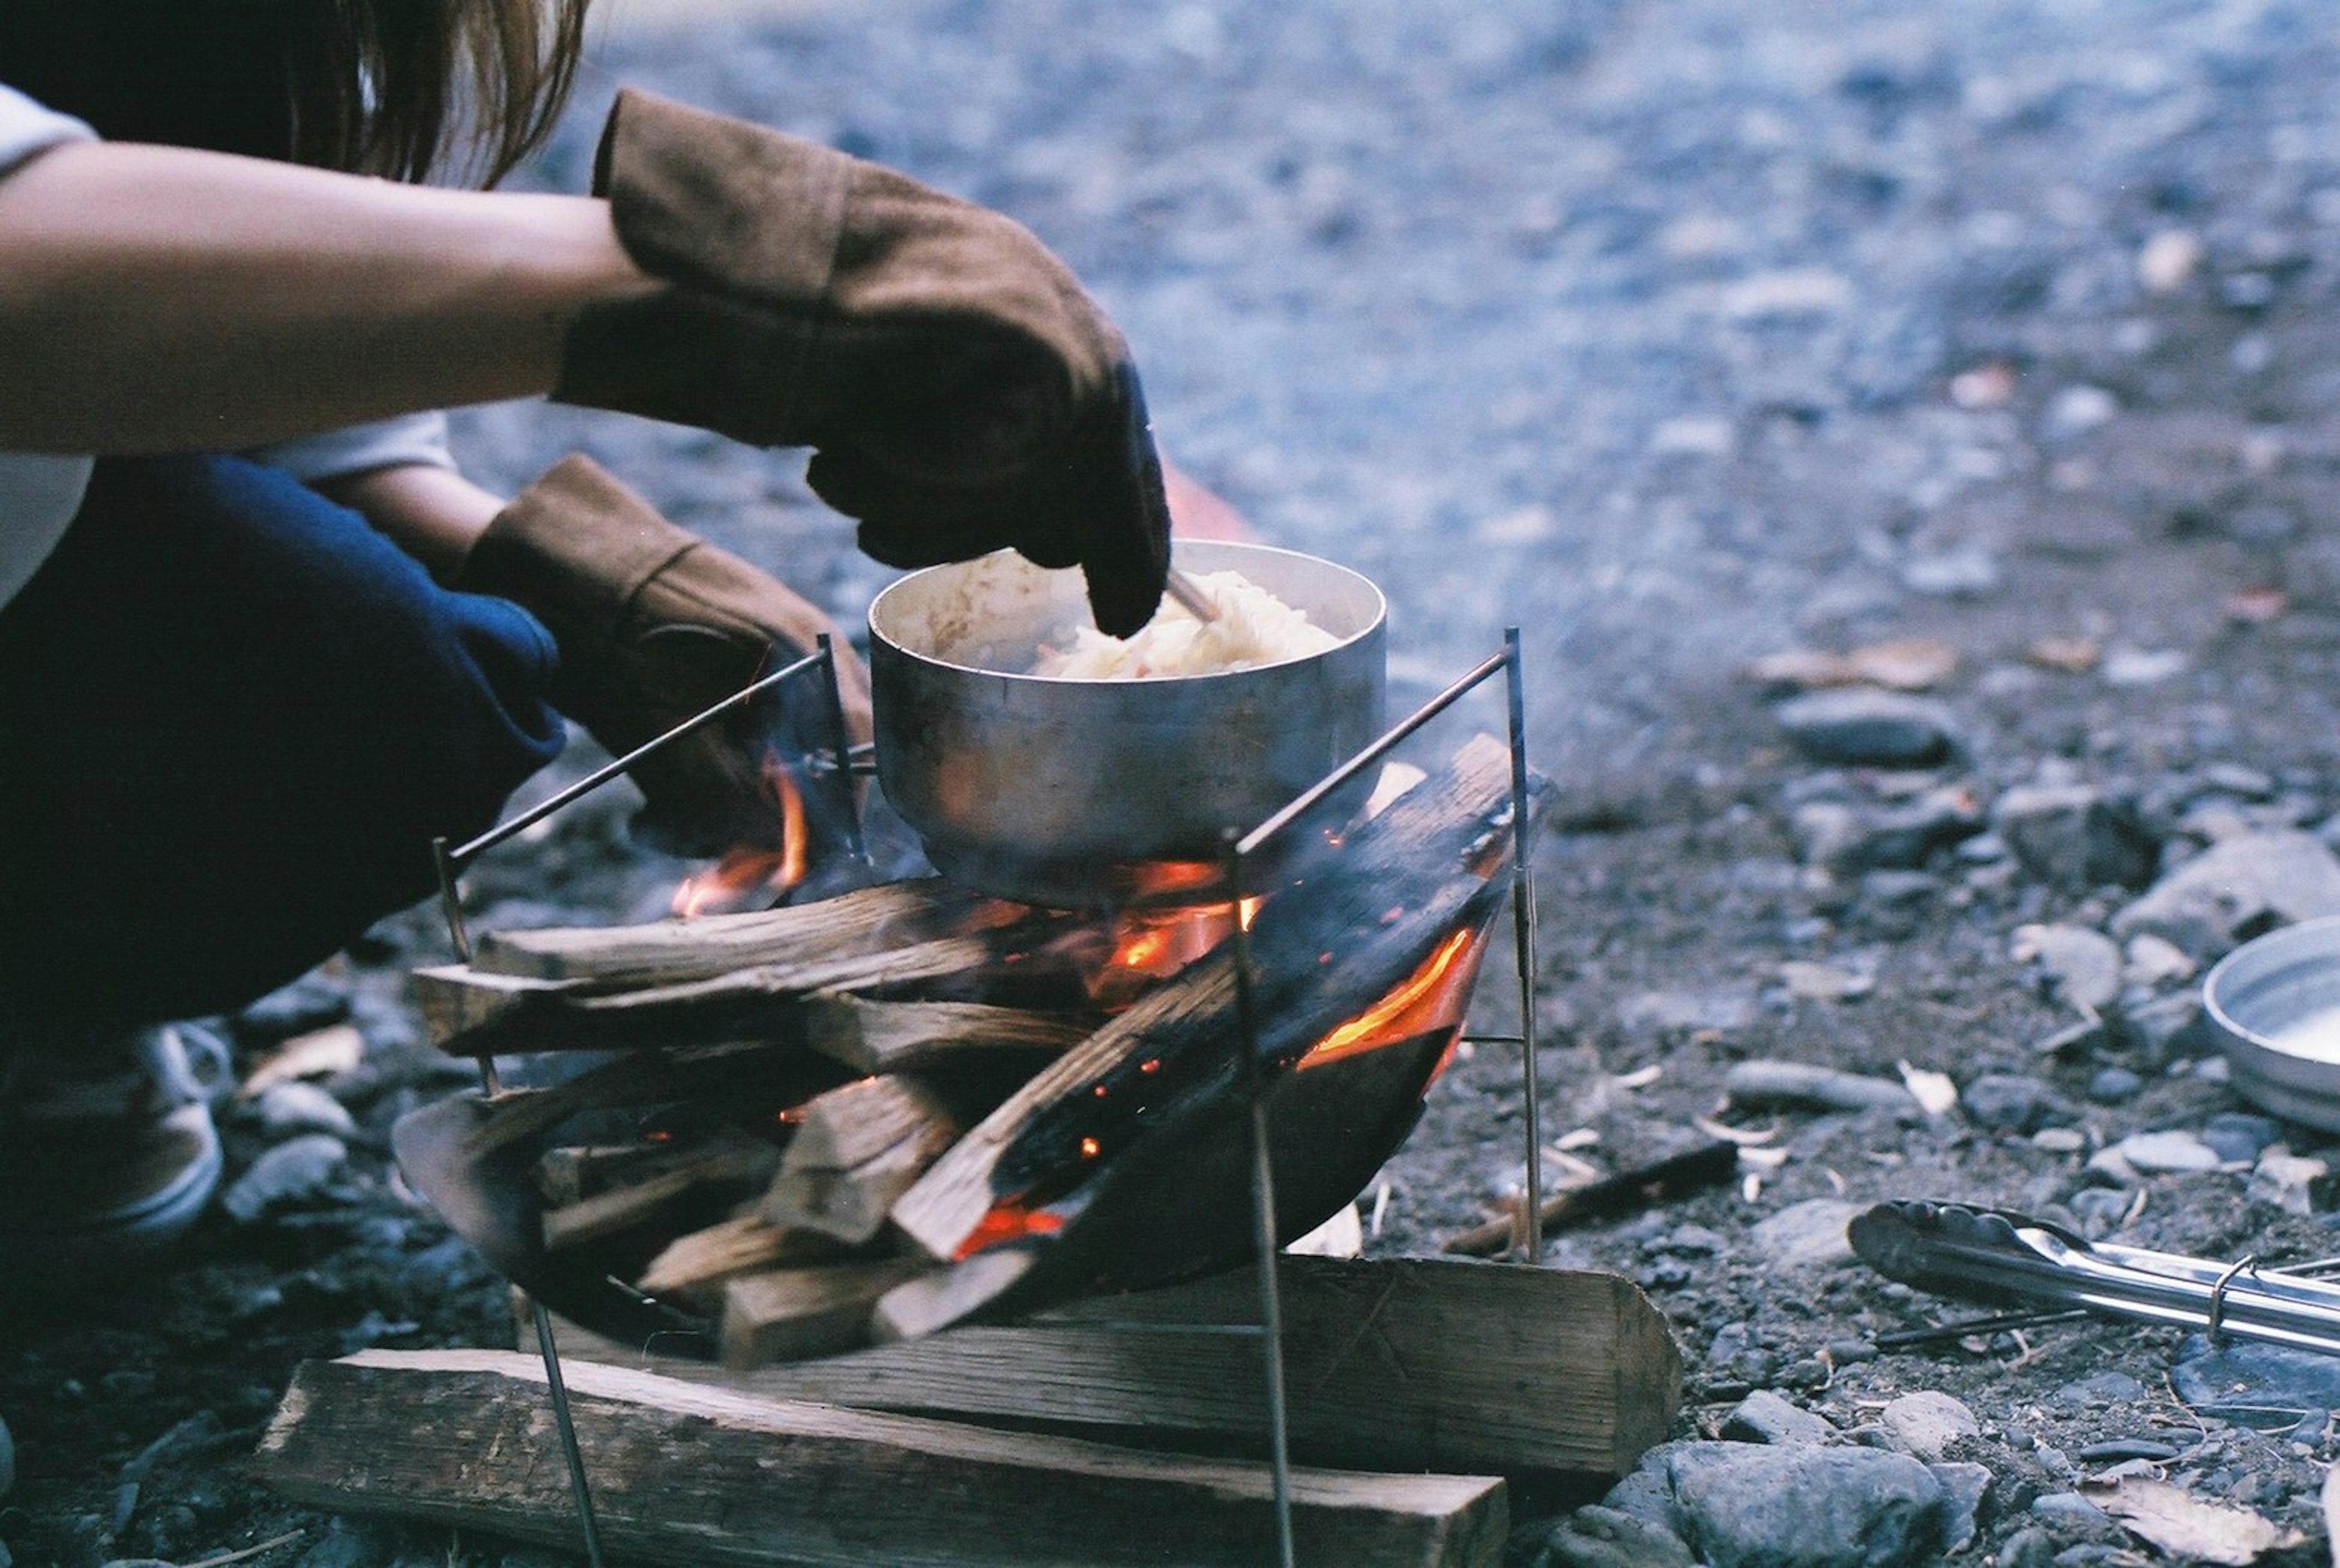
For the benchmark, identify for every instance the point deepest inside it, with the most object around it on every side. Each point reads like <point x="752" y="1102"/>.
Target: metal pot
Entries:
<point x="1074" y="793"/>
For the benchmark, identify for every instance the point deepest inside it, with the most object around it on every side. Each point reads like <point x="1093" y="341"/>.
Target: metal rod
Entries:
<point x="1523" y="948"/>
<point x="1262" y="1190"/>
<point x="1300" y="805"/>
<point x="579" y="1492"/>
<point x="451" y="899"/>
<point x="843" y="736"/>
<point x="465" y="854"/>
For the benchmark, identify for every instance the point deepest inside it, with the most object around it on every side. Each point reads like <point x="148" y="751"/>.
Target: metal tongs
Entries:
<point x="1998" y="1257"/>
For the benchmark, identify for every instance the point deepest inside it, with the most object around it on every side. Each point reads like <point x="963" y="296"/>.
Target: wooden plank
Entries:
<point x="896" y="1036"/>
<point x="866" y="920"/>
<point x="694" y="1476"/>
<point x="1378" y="907"/>
<point x="1391" y="1363"/>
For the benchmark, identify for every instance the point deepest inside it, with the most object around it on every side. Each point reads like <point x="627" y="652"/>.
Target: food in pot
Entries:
<point x="1252" y="628"/>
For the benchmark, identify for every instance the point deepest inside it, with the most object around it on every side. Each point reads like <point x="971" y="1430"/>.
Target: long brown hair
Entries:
<point x="399" y="88"/>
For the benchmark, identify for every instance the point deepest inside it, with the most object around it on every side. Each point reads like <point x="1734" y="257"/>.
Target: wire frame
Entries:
<point x="1241" y="849"/>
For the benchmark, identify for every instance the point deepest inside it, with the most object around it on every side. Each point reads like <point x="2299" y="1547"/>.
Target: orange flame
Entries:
<point x="737" y="877"/>
<point x="1431" y="997"/>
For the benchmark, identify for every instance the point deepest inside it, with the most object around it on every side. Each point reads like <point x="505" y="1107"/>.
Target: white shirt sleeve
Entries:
<point x="414" y="438"/>
<point x="27" y="128"/>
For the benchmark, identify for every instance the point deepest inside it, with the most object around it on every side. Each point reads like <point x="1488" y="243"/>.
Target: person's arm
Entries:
<point x="154" y="299"/>
<point x="432" y="513"/>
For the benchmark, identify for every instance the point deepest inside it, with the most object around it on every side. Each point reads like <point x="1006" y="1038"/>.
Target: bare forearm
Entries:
<point x="434" y="514"/>
<point x="156" y="300"/>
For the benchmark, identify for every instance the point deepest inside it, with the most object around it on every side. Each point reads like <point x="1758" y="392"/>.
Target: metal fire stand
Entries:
<point x="1242" y="848"/>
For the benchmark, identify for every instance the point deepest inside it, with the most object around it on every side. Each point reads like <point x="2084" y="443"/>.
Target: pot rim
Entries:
<point x="1203" y="548"/>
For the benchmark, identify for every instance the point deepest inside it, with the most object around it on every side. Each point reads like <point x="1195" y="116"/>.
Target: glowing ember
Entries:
<point x="1009" y="1222"/>
<point x="1432" y="998"/>
<point x="741" y="874"/>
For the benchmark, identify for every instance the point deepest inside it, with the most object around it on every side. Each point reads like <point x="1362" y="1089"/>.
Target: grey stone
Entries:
<point x="1599" y="1537"/>
<point x="2009" y="1102"/>
<point x="1966" y="1483"/>
<point x="1928" y="1422"/>
<point x="290" y="1171"/>
<point x="2163" y="1027"/>
<point x="2098" y="1208"/>
<point x="2103" y="1388"/>
<point x="2075" y="837"/>
<point x="2081" y="967"/>
<point x="2241" y="1130"/>
<point x="2067" y="1508"/>
<point x="1862" y="726"/>
<point x="2113" y="1085"/>
<point x="1674" y="1012"/>
<point x="2245" y="1372"/>
<point x="2289" y="1181"/>
<point x="287" y="1109"/>
<point x="1806" y="1235"/>
<point x="1805" y="1506"/>
<point x="2166" y="1152"/>
<point x="2236" y="889"/>
<point x="2030" y="1547"/>
<point x="1767" y="1416"/>
<point x="7" y="1461"/>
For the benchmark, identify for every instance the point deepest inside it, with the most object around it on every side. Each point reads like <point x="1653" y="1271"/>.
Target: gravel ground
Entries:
<point x="1682" y="335"/>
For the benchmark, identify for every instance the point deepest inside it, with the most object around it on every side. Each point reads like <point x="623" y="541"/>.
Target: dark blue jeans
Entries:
<point x="233" y="717"/>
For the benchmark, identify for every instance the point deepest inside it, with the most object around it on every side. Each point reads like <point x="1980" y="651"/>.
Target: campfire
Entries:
<point x="876" y="1114"/>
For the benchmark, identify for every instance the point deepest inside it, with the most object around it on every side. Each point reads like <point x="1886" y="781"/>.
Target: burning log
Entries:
<point x="856" y="1150"/>
<point x="1380" y="916"/>
<point x="689" y="1475"/>
<point x="895" y="1036"/>
<point x="787" y="1314"/>
<point x="746" y="1078"/>
<point x="1404" y="1365"/>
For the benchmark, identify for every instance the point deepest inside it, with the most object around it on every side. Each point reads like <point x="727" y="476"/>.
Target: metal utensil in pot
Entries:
<point x="1076" y="793"/>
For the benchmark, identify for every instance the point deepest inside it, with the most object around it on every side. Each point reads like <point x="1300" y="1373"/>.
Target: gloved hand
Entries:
<point x="962" y="391"/>
<point x="656" y="625"/>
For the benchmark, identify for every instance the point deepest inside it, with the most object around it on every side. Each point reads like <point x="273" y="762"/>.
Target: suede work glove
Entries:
<point x="962" y="391"/>
<point x="655" y="625"/>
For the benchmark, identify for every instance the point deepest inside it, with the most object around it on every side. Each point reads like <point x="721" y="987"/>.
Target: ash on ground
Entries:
<point x="1905" y="436"/>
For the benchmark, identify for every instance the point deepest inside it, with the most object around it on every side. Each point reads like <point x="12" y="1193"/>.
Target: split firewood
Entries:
<point x="748" y="1076"/>
<point x="857" y="1149"/>
<point x="694" y="1267"/>
<point x="693" y="1180"/>
<point x="892" y="1036"/>
<point x="573" y="1174"/>
<point x="1377" y="910"/>
<point x="689" y="1475"/>
<point x="468" y="1011"/>
<point x="868" y="921"/>
<point x="789" y="1313"/>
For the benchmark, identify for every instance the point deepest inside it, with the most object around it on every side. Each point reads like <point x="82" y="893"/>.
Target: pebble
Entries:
<point x="1806" y="1235"/>
<point x="2243" y="1132"/>
<point x="2067" y="1508"/>
<point x="2287" y="1181"/>
<point x="2081" y="967"/>
<point x="2166" y="1152"/>
<point x="2121" y="1448"/>
<point x="1866" y="727"/>
<point x="2233" y="888"/>
<point x="1599" y="1537"/>
<point x="2059" y="1140"/>
<point x="2245" y="1372"/>
<point x="2009" y="1102"/>
<point x="290" y="1171"/>
<point x="287" y="1109"/>
<point x="2076" y="837"/>
<point x="1928" y="1422"/>
<point x="2114" y="1086"/>
<point x="2030" y="1547"/>
<point x="7" y="1461"/>
<point x="2150" y="962"/>
<point x="1767" y="1416"/>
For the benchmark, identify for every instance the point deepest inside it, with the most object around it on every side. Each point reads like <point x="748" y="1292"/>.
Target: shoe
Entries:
<point x="107" y="1156"/>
